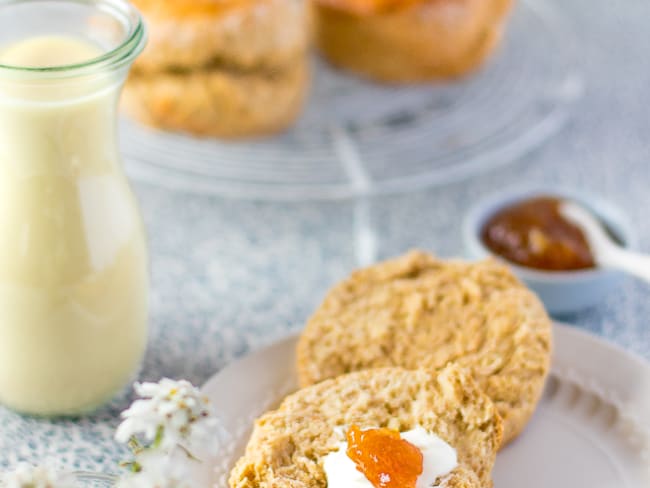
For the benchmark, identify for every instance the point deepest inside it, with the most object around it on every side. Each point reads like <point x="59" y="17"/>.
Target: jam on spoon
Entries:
<point x="384" y="458"/>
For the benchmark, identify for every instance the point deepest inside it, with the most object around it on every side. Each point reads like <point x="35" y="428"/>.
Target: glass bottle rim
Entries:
<point x="132" y="44"/>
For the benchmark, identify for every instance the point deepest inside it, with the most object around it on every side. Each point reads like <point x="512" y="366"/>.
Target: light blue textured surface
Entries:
<point x="229" y="276"/>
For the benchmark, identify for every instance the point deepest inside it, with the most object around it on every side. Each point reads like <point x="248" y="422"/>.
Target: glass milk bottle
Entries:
<point x="73" y="257"/>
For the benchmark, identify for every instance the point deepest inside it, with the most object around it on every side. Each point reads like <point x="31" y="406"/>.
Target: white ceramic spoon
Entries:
<point x="607" y="253"/>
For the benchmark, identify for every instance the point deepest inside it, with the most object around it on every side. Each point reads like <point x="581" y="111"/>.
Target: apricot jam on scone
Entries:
<point x="384" y="458"/>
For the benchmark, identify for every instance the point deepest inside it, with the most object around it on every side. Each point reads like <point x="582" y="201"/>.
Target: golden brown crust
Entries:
<point x="218" y="103"/>
<point x="428" y="40"/>
<point x="417" y="311"/>
<point x="288" y="445"/>
<point x="369" y="7"/>
<point x="184" y="8"/>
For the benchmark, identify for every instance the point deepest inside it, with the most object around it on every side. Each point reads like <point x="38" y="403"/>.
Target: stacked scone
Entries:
<point x="414" y="372"/>
<point x="226" y="68"/>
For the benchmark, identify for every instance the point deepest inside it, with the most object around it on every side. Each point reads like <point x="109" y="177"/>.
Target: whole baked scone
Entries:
<point x="420" y="312"/>
<point x="288" y="445"/>
<point x="224" y="68"/>
<point x="404" y="41"/>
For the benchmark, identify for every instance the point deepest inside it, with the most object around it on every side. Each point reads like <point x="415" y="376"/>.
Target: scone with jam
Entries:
<point x="389" y="428"/>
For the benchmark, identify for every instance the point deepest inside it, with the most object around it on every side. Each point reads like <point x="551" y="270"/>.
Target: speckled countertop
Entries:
<point x="231" y="276"/>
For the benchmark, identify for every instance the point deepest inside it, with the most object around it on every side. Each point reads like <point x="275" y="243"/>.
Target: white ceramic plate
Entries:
<point x="591" y="430"/>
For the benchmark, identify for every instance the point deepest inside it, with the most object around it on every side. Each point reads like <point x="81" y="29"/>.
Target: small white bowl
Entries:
<point x="563" y="292"/>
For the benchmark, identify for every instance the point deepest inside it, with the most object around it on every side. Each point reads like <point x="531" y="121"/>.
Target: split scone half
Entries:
<point x="288" y="446"/>
<point x="224" y="68"/>
<point x="417" y="311"/>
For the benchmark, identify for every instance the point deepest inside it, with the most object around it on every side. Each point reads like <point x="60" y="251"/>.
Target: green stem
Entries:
<point x="133" y="466"/>
<point x="159" y="437"/>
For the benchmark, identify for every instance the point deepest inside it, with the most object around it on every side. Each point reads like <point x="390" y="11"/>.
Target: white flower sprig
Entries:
<point x="27" y="476"/>
<point x="171" y="414"/>
<point x="159" y="471"/>
<point x="169" y="429"/>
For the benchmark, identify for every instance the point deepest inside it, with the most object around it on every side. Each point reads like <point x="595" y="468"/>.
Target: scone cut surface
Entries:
<point x="420" y="312"/>
<point x="288" y="445"/>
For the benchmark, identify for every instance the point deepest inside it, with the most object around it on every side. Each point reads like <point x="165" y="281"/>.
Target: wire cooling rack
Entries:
<point x="357" y="138"/>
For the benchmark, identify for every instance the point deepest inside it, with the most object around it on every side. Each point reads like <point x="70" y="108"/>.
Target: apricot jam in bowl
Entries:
<point x="525" y="229"/>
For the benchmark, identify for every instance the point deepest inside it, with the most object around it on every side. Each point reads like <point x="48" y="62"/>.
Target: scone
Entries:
<point x="288" y="445"/>
<point x="224" y="68"/>
<point x="405" y="41"/>
<point x="420" y="312"/>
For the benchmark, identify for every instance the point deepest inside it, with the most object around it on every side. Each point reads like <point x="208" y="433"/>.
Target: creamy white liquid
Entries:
<point x="48" y="51"/>
<point x="73" y="260"/>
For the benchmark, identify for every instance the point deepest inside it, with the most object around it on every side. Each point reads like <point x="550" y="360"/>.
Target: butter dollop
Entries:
<point x="438" y="459"/>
